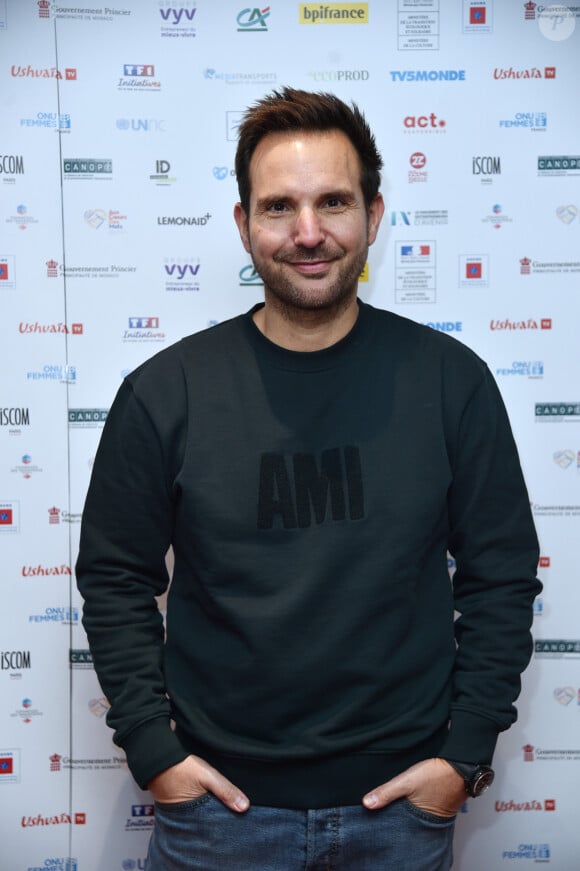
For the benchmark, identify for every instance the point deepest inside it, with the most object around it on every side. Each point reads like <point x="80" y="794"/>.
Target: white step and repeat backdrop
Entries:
<point x="117" y="139"/>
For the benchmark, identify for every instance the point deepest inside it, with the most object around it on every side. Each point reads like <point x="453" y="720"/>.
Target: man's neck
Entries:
<point x="306" y="330"/>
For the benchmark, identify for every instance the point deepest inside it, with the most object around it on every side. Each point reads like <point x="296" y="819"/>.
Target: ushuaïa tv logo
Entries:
<point x="547" y="804"/>
<point x="177" y="19"/>
<point x="142" y="818"/>
<point x="537" y="852"/>
<point x="424" y="124"/>
<point x="507" y="324"/>
<point x="7" y="273"/>
<point x="248" y="276"/>
<point x="138" y="77"/>
<point x="87" y="168"/>
<point x="143" y="329"/>
<point x="182" y="274"/>
<point x="333" y="13"/>
<point x="77" y="819"/>
<point x="535" y="121"/>
<point x="18" y="72"/>
<point x="253" y="20"/>
<point x="41" y="570"/>
<point x="526" y="73"/>
<point x="473" y="270"/>
<point x="417" y="173"/>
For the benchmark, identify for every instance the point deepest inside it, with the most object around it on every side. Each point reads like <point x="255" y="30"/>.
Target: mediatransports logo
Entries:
<point x="333" y="13"/>
<point x="249" y="277"/>
<point x="427" y="75"/>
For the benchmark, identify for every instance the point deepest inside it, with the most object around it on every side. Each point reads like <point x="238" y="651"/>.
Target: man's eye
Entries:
<point x="334" y="202"/>
<point x="277" y="207"/>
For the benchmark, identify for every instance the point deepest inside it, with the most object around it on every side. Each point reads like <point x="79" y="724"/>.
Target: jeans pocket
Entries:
<point x="426" y="816"/>
<point x="177" y="807"/>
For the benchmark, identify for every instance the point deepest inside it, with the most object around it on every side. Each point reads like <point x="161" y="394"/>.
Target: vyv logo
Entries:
<point x="177" y="13"/>
<point x="181" y="270"/>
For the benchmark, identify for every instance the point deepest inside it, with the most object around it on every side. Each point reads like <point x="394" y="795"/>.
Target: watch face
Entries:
<point x="482" y="780"/>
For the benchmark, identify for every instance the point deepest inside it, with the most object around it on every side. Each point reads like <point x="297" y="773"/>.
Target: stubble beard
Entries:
<point x="292" y="299"/>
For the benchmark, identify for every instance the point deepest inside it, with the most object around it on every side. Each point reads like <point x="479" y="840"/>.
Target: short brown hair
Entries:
<point x="290" y="109"/>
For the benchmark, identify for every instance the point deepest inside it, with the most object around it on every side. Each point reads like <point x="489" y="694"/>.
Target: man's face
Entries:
<point x="308" y="230"/>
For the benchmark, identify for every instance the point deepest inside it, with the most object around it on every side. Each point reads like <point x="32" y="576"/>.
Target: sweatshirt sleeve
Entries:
<point x="125" y="534"/>
<point x="493" y="540"/>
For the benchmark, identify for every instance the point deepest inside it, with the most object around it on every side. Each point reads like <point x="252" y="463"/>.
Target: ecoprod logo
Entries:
<point x="333" y="13"/>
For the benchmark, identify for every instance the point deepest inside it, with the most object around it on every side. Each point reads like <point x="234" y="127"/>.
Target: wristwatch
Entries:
<point x="477" y="777"/>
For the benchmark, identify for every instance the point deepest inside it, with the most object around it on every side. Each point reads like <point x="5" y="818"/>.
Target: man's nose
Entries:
<point x="308" y="231"/>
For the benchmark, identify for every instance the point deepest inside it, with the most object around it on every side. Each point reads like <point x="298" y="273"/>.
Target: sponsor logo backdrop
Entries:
<point x="116" y="168"/>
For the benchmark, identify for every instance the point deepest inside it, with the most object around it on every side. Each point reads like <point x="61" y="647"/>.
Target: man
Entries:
<point x="311" y="463"/>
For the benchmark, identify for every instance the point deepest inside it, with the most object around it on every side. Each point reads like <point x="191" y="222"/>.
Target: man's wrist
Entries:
<point x="477" y="777"/>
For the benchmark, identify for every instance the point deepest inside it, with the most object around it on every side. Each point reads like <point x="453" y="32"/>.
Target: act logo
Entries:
<point x="424" y="124"/>
<point x="253" y="20"/>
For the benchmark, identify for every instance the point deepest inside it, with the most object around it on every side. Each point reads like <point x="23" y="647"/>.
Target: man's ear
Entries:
<point x="241" y="220"/>
<point x="376" y="212"/>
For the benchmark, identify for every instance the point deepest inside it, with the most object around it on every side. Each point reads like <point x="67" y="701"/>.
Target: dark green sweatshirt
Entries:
<point x="311" y="500"/>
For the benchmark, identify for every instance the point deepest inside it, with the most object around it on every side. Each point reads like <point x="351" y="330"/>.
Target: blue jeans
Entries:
<point x="203" y="834"/>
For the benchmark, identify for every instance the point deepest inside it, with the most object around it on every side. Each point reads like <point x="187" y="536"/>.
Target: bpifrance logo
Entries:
<point x="333" y="13"/>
